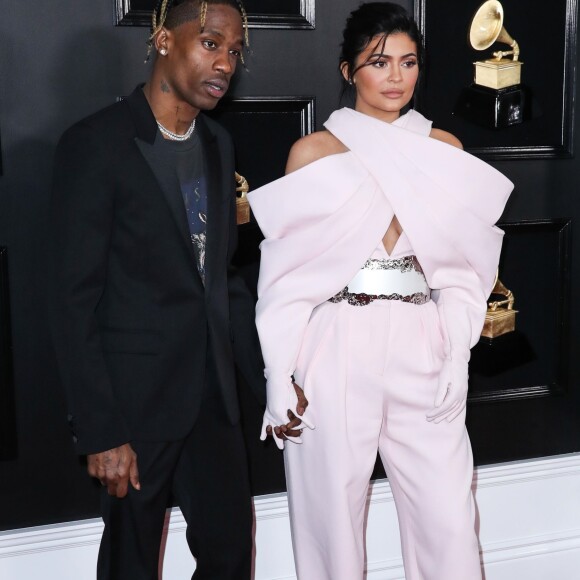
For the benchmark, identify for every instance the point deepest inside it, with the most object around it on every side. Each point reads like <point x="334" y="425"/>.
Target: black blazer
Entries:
<point x="132" y="323"/>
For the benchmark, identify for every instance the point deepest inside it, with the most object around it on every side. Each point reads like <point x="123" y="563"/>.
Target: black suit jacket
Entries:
<point x="133" y="325"/>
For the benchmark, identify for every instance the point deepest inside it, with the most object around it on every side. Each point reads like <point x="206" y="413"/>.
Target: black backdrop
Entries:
<point x="57" y="65"/>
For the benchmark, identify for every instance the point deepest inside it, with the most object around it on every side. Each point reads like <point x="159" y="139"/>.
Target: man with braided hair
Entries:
<point x="148" y="317"/>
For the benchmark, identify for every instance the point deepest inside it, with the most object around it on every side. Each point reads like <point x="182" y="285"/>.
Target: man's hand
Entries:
<point x="289" y="429"/>
<point x="115" y="468"/>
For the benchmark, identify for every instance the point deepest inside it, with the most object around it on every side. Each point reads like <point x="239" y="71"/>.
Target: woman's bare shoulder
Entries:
<point x="446" y="137"/>
<point x="312" y="148"/>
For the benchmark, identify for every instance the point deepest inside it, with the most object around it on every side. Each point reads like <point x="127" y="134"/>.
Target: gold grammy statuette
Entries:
<point x="242" y="203"/>
<point x="501" y="316"/>
<point x="496" y="99"/>
<point x="486" y="28"/>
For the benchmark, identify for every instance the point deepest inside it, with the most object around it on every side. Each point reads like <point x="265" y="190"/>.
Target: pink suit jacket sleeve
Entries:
<point x="311" y="249"/>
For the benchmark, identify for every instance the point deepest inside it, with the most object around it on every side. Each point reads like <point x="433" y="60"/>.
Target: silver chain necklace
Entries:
<point x="175" y="136"/>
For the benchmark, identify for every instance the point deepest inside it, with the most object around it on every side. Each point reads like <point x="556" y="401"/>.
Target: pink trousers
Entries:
<point x="370" y="374"/>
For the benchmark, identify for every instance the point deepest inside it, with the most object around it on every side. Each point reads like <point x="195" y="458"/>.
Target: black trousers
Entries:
<point x="207" y="474"/>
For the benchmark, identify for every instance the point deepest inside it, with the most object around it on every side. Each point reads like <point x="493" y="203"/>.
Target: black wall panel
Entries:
<point x="60" y="64"/>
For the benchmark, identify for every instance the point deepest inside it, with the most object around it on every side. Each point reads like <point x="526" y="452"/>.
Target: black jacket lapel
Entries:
<point x="161" y="163"/>
<point x="217" y="208"/>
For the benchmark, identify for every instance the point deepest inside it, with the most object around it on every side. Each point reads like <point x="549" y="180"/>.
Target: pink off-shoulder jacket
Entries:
<point x="322" y="222"/>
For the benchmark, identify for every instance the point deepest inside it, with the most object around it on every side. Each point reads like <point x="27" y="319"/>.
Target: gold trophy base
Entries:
<point x="498" y="322"/>
<point x="498" y="74"/>
<point x="242" y="210"/>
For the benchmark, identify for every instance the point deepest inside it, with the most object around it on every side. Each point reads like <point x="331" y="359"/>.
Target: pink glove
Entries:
<point x="451" y="396"/>
<point x="461" y="323"/>
<point x="281" y="398"/>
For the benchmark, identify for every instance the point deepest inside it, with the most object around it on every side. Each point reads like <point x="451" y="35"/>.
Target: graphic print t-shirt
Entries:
<point x="190" y="171"/>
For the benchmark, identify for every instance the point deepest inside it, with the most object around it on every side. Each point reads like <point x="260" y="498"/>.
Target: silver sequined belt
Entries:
<point x="401" y="279"/>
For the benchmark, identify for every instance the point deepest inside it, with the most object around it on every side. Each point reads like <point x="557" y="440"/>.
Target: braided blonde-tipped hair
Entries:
<point x="163" y="7"/>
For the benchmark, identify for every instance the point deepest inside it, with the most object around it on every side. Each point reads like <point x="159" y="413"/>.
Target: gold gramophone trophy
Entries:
<point x="496" y="99"/>
<point x="501" y="347"/>
<point x="242" y="203"/>
<point x="500" y="317"/>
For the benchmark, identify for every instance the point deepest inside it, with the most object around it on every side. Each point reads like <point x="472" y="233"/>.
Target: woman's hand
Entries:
<point x="451" y="396"/>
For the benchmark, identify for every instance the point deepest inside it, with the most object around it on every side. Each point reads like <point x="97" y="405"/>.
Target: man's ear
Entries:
<point x="162" y="41"/>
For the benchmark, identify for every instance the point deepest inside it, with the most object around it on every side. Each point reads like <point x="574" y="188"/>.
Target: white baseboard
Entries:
<point x="529" y="527"/>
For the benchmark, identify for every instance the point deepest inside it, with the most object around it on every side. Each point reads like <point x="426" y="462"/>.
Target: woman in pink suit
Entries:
<point x="380" y="251"/>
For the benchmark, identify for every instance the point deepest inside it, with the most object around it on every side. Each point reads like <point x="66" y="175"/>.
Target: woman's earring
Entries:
<point x="163" y="51"/>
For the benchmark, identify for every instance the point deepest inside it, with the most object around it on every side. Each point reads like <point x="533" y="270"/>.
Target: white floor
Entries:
<point x="529" y="516"/>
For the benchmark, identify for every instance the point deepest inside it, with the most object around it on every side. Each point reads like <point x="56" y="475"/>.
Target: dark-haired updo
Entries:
<point x="369" y="21"/>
